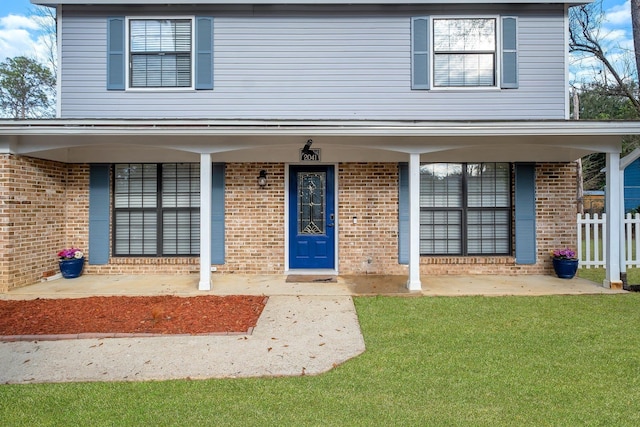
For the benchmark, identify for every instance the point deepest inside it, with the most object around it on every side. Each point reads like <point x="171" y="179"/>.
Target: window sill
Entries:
<point x="471" y="259"/>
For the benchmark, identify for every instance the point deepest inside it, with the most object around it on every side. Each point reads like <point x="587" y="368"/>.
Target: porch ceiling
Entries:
<point x="107" y="141"/>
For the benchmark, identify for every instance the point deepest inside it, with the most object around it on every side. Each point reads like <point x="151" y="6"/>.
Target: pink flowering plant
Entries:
<point x="71" y="253"/>
<point x="564" y="254"/>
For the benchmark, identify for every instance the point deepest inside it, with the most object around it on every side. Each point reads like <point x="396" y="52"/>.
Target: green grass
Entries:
<point x="465" y="361"/>
<point x="597" y="275"/>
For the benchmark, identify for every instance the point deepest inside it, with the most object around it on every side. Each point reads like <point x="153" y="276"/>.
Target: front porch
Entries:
<point x="73" y="165"/>
<point x="276" y="285"/>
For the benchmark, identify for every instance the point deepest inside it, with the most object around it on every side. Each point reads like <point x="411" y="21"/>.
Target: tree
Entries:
<point x="635" y="26"/>
<point x="618" y="75"/>
<point x="48" y="22"/>
<point x="612" y="91"/>
<point x="27" y="88"/>
<point x="598" y="103"/>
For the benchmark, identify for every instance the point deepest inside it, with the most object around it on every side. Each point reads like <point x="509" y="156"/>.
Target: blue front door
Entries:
<point x="311" y="217"/>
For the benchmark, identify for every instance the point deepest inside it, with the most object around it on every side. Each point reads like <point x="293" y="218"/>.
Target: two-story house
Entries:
<point x="367" y="137"/>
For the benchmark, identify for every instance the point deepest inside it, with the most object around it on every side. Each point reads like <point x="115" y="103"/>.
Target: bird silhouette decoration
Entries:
<point x="307" y="147"/>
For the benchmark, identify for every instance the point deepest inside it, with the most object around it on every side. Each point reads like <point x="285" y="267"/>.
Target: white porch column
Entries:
<point x="205" y="222"/>
<point x="614" y="218"/>
<point x="414" y="283"/>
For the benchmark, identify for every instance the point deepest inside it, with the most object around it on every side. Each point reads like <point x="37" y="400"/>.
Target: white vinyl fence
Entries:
<point x="592" y="240"/>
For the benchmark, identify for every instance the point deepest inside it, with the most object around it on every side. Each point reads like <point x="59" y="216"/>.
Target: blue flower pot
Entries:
<point x="565" y="268"/>
<point x="71" y="268"/>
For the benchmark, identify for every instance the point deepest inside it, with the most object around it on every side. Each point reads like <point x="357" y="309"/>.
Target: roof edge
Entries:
<point x="344" y="127"/>
<point x="53" y="3"/>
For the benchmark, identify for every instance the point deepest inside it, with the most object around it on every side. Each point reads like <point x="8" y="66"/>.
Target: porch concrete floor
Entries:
<point x="272" y="285"/>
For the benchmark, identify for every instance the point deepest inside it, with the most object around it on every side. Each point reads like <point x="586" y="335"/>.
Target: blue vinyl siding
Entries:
<point x="289" y="62"/>
<point x="525" y="213"/>
<point x="632" y="186"/>
<point x="99" y="198"/>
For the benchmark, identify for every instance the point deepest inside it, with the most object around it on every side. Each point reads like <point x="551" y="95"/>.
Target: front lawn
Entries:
<point x="598" y="274"/>
<point x="467" y="361"/>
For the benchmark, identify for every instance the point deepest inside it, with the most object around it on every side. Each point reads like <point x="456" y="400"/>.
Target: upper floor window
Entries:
<point x="160" y="53"/>
<point x="464" y="52"/>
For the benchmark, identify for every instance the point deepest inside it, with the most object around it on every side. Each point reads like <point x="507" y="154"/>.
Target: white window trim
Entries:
<point x="498" y="54"/>
<point x="128" y="54"/>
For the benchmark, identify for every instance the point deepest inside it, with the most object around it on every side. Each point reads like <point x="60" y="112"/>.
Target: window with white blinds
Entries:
<point x="464" y="52"/>
<point x="160" y="52"/>
<point x="156" y="209"/>
<point x="465" y="209"/>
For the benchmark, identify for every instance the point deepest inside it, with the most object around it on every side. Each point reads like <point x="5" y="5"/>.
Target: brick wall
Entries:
<point x="44" y="207"/>
<point x="77" y="208"/>
<point x="254" y="220"/>
<point x="33" y="219"/>
<point x="556" y="207"/>
<point x="368" y="192"/>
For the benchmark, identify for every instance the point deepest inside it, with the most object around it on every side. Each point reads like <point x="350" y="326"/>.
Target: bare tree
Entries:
<point x="585" y="36"/>
<point x="635" y="26"/>
<point x="48" y="22"/>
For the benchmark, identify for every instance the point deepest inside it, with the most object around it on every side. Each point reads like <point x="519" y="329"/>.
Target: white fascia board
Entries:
<point x="296" y="2"/>
<point x="325" y="128"/>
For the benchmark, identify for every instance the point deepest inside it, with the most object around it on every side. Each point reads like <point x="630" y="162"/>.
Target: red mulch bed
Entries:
<point x="119" y="314"/>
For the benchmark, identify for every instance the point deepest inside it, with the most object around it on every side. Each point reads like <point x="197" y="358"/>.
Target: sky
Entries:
<point x="19" y="31"/>
<point x="19" y="34"/>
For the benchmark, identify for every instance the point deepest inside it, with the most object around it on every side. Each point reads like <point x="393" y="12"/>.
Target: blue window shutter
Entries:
<point x="403" y="213"/>
<point x="217" y="214"/>
<point x="509" y="52"/>
<point x="99" y="214"/>
<point x="204" y="53"/>
<point x="525" y="212"/>
<point x="420" y="52"/>
<point x="115" y="53"/>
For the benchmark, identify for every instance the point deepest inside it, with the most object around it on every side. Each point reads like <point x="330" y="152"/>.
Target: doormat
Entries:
<point x="305" y="278"/>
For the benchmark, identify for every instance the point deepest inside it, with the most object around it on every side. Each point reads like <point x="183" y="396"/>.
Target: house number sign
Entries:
<point x="310" y="155"/>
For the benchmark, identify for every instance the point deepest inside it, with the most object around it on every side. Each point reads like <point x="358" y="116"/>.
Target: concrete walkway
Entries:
<point x="296" y="335"/>
<point x="305" y="328"/>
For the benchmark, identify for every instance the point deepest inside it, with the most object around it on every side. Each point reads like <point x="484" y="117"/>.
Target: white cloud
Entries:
<point x="14" y="22"/>
<point x="619" y="15"/>
<point x="615" y="35"/>
<point x="616" y="40"/>
<point x="16" y="42"/>
<point x="19" y="36"/>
